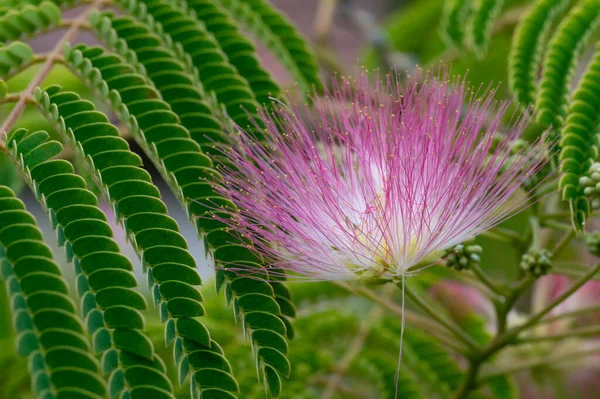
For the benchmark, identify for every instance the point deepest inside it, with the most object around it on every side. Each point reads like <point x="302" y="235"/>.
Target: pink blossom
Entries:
<point x="383" y="178"/>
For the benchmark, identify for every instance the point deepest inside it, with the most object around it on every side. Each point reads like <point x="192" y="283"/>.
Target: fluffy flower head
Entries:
<point x="379" y="180"/>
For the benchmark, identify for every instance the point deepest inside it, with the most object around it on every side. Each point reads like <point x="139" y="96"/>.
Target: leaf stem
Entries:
<point x="431" y="312"/>
<point x="485" y="279"/>
<point x="503" y="234"/>
<point x="563" y="242"/>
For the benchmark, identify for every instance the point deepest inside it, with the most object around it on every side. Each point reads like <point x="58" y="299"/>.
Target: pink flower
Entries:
<point x="381" y="180"/>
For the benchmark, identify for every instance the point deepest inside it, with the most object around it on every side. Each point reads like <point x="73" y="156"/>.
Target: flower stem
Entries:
<point x="574" y="287"/>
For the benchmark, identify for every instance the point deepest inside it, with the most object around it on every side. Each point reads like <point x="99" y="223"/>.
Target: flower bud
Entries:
<point x="536" y="262"/>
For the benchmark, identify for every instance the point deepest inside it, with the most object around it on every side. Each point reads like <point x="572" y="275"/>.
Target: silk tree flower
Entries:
<point x="381" y="178"/>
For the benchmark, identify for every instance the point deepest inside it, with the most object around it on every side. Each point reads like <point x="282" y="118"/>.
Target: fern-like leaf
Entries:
<point x="454" y="18"/>
<point x="559" y="62"/>
<point x="262" y="305"/>
<point x="526" y="52"/>
<point x="216" y="72"/>
<point x="105" y="281"/>
<point x="480" y="24"/>
<point x="172" y="274"/>
<point x="13" y="56"/>
<point x="48" y="329"/>
<point x="579" y="140"/>
<point x="239" y="50"/>
<point x="29" y="20"/>
<point x="281" y="37"/>
<point x="173" y="79"/>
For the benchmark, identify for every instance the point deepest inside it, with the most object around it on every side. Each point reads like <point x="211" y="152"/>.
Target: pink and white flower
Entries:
<point x="381" y="180"/>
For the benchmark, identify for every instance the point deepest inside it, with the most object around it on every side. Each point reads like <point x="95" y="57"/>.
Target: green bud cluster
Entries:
<point x="462" y="256"/>
<point x="591" y="185"/>
<point x="536" y="262"/>
<point x="593" y="242"/>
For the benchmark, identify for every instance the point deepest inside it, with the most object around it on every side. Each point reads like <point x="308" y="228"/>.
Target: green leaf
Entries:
<point x="215" y="378"/>
<point x="133" y="342"/>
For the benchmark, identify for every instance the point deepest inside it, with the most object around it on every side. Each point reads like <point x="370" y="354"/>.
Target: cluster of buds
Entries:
<point x="591" y="184"/>
<point x="593" y="242"/>
<point x="536" y="262"/>
<point x="462" y="256"/>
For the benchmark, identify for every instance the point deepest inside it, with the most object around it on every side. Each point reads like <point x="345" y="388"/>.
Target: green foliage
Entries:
<point x="579" y="140"/>
<point x="559" y="63"/>
<point x="192" y="177"/>
<point x="215" y="71"/>
<point x="530" y="37"/>
<point x="27" y="21"/>
<point x="570" y="115"/>
<point x="239" y="50"/>
<point x="181" y="75"/>
<point x="481" y="22"/>
<point x="468" y="23"/>
<point x="13" y="56"/>
<point x="48" y="330"/>
<point x="452" y="25"/>
<point x="154" y="235"/>
<point x="110" y="304"/>
<point x="281" y="37"/>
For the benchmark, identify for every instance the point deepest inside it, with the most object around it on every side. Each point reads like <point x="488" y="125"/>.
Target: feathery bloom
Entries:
<point x="380" y="179"/>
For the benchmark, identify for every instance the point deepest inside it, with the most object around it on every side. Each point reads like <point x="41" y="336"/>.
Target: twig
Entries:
<point x="522" y="365"/>
<point x="575" y="333"/>
<point x="568" y="315"/>
<point x="557" y="225"/>
<point x="563" y="242"/>
<point x="13" y="98"/>
<point x="484" y="278"/>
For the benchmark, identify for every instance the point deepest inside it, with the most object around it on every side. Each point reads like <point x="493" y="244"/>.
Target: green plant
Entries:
<point x="176" y="74"/>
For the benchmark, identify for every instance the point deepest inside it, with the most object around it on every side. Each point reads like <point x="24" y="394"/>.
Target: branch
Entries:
<point x="54" y="56"/>
<point x="568" y="315"/>
<point x="522" y="365"/>
<point x="575" y="333"/>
